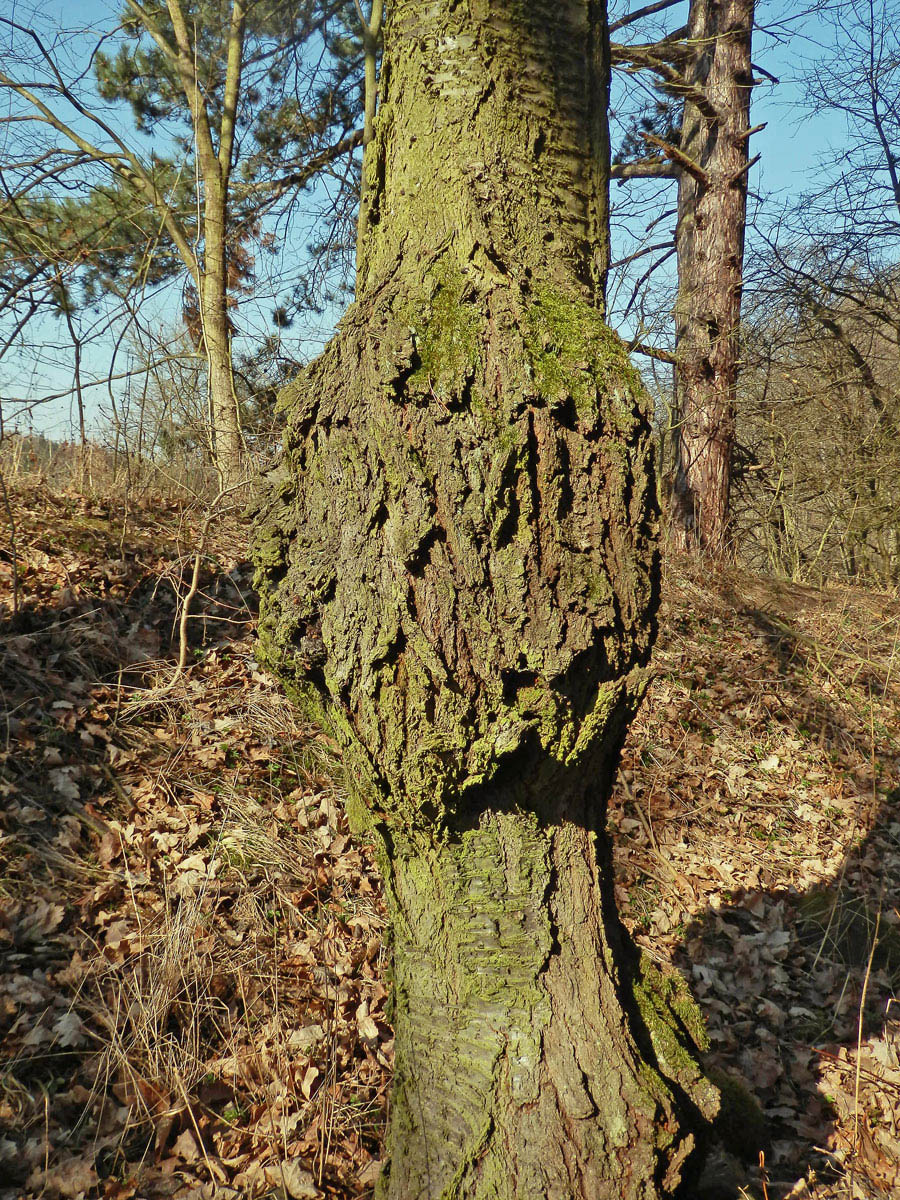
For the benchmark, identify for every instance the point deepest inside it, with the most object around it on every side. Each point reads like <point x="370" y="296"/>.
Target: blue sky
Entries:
<point x="791" y="146"/>
<point x="72" y="30"/>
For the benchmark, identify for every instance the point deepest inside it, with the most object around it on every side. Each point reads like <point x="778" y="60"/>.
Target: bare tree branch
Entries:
<point x="623" y="262"/>
<point x="673" y="81"/>
<point x="639" y="13"/>
<point x="678" y="157"/>
<point x="656" y="352"/>
<point x="645" y="168"/>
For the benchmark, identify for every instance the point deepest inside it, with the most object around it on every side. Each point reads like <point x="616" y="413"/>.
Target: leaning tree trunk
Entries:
<point x="458" y="571"/>
<point x="712" y="211"/>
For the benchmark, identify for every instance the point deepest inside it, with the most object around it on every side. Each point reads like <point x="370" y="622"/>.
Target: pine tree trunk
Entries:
<point x="458" y="574"/>
<point x="712" y="210"/>
<point x="227" y="438"/>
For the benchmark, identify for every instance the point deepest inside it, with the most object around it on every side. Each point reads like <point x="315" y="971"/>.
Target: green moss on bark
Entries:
<point x="675" y="1026"/>
<point x="573" y="353"/>
<point x="458" y="567"/>
<point x="447" y="330"/>
<point x="487" y="538"/>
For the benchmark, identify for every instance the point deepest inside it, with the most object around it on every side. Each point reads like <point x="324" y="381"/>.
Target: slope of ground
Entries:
<point x="759" y="850"/>
<point x="192" y="997"/>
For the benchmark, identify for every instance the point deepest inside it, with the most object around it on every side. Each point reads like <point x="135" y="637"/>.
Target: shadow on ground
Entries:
<point x="781" y="794"/>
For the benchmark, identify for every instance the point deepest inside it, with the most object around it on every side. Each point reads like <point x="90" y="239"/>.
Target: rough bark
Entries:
<point x="458" y="573"/>
<point x="712" y="209"/>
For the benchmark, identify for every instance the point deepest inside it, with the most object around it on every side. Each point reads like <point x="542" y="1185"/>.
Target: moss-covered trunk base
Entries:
<point x="458" y="571"/>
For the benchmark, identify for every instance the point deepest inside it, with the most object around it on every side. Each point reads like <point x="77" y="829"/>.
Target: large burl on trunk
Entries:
<point x="458" y="573"/>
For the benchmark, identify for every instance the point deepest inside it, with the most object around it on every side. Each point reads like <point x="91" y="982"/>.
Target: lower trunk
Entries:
<point x="701" y="502"/>
<point x="227" y="442"/>
<point x="524" y="1066"/>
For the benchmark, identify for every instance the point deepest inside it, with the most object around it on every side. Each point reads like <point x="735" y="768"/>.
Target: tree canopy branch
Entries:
<point x="302" y="176"/>
<point x="673" y="81"/>
<point x="656" y="352"/>
<point x="645" y="168"/>
<point x="639" y="13"/>
<point x="678" y="157"/>
<point x="125" y="164"/>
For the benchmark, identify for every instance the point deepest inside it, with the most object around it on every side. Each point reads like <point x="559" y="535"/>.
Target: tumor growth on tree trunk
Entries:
<point x="458" y="574"/>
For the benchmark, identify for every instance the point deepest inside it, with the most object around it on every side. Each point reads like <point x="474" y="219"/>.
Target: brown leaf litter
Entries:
<point x="192" y="970"/>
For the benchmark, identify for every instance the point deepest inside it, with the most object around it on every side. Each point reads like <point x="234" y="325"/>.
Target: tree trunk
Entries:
<point x="712" y="210"/>
<point x="227" y="440"/>
<point x="522" y="1061"/>
<point x="226" y="436"/>
<point x="458" y="573"/>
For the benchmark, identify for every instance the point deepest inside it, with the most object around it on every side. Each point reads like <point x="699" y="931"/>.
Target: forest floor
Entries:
<point x="192" y="996"/>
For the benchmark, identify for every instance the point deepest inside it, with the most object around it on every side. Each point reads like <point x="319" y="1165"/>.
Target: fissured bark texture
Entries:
<point x="712" y="212"/>
<point x="458" y="573"/>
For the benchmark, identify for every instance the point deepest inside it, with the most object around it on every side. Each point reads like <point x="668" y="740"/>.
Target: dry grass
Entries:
<point x="102" y="469"/>
<point x="210" y="933"/>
